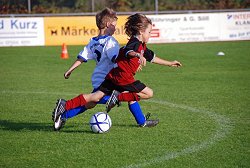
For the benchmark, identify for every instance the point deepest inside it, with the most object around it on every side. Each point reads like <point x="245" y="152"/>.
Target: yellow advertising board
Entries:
<point x="77" y="30"/>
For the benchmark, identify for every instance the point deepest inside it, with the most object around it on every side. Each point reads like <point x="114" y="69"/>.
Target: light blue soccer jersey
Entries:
<point x="104" y="50"/>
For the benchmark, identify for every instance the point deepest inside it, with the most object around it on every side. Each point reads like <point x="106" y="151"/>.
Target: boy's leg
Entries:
<point x="75" y="102"/>
<point x="63" y="105"/>
<point x="76" y="111"/>
<point x="104" y="100"/>
<point x="135" y="109"/>
<point x="128" y="97"/>
<point x="146" y="93"/>
<point x="132" y="94"/>
<point x="141" y="120"/>
<point x="82" y="100"/>
<point x="73" y="107"/>
<point x="78" y="101"/>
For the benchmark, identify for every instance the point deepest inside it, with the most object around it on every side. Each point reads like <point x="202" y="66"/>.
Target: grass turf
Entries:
<point x="203" y="109"/>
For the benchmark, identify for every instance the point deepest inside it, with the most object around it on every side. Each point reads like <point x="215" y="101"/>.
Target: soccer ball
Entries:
<point x="100" y="122"/>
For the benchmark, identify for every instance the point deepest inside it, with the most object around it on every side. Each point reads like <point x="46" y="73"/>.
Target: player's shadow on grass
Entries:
<point x="126" y="125"/>
<point x="47" y="127"/>
<point x="20" y="126"/>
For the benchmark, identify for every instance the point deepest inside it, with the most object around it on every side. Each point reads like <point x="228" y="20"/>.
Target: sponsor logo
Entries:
<point x="75" y="31"/>
<point x="17" y="24"/>
<point x="155" y="33"/>
<point x="239" y="18"/>
<point x="229" y="16"/>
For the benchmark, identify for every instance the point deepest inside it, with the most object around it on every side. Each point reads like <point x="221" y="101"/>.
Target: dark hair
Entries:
<point x="136" y="23"/>
<point x="106" y="15"/>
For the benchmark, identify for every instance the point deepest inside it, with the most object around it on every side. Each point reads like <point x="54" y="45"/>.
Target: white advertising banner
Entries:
<point x="21" y="31"/>
<point x="235" y="26"/>
<point x="184" y="28"/>
<point x="200" y="27"/>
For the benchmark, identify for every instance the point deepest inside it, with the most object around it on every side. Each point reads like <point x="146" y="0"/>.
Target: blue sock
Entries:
<point x="137" y="113"/>
<point x="73" y="112"/>
<point x="104" y="100"/>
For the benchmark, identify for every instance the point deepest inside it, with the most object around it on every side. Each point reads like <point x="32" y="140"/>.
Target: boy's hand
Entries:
<point x="67" y="75"/>
<point x="175" y="64"/>
<point x="139" y="68"/>
<point x="143" y="60"/>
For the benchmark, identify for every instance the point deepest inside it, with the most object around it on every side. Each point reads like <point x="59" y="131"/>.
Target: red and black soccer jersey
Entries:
<point x="127" y="66"/>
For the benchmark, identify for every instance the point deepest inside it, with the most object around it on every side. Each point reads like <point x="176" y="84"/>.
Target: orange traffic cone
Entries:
<point x="64" y="54"/>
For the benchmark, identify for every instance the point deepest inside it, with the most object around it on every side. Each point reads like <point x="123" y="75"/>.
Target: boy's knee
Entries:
<point x="151" y="93"/>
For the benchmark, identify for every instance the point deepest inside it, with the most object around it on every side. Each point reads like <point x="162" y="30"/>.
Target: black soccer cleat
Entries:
<point x="59" y="123"/>
<point x="150" y="123"/>
<point x="60" y="109"/>
<point x="112" y="101"/>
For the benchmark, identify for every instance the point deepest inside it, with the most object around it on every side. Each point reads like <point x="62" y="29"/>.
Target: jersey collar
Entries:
<point x="100" y="37"/>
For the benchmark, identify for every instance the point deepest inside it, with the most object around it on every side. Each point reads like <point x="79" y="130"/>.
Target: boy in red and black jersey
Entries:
<point x="131" y="57"/>
<point x="128" y="65"/>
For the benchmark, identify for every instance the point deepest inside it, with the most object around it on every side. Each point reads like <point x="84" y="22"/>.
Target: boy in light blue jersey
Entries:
<point x="104" y="49"/>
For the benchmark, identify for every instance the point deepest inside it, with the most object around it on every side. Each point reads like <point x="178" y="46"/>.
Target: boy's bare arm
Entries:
<point x="71" y="69"/>
<point x="160" y="61"/>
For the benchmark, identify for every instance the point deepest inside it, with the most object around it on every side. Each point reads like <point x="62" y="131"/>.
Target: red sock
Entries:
<point x="75" y="102"/>
<point x="128" y="97"/>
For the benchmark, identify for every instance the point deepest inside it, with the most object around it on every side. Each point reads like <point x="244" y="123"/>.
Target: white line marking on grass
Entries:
<point x="224" y="128"/>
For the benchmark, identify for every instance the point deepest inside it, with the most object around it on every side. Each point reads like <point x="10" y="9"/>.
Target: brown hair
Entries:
<point x="106" y="15"/>
<point x="136" y="23"/>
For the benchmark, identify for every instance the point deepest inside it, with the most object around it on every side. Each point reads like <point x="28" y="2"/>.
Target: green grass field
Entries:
<point x="203" y="109"/>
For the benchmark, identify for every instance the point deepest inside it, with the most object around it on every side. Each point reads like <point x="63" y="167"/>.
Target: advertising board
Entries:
<point x="167" y="28"/>
<point x="76" y="30"/>
<point x="235" y="26"/>
<point x="21" y="31"/>
<point x="200" y="27"/>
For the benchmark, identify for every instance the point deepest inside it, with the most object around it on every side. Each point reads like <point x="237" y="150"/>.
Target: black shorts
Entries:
<point x="108" y="86"/>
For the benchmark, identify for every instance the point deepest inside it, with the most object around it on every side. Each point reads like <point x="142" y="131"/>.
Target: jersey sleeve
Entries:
<point x="149" y="55"/>
<point x="134" y="45"/>
<point x="112" y="49"/>
<point x="86" y="54"/>
<point x="131" y="46"/>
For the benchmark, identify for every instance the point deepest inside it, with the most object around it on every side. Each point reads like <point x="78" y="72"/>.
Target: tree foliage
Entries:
<point x="79" y="6"/>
